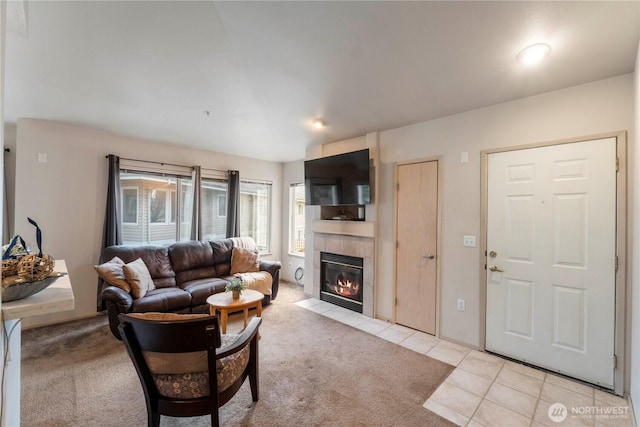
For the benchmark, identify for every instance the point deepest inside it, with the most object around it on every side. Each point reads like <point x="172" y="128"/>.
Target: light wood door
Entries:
<point x="416" y="256"/>
<point x="551" y="243"/>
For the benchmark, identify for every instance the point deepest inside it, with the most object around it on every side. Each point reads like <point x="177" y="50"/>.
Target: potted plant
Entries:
<point x="236" y="286"/>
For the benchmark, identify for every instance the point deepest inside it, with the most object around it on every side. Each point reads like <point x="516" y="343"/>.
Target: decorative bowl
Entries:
<point x="23" y="290"/>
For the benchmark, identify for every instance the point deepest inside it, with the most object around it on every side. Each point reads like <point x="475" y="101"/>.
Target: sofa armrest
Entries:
<point x="117" y="296"/>
<point x="273" y="268"/>
<point x="117" y="301"/>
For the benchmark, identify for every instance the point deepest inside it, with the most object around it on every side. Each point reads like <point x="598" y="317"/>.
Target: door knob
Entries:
<point x="493" y="267"/>
<point x="429" y="256"/>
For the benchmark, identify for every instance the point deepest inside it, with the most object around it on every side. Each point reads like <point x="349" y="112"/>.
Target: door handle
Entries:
<point x="493" y="267"/>
<point x="429" y="256"/>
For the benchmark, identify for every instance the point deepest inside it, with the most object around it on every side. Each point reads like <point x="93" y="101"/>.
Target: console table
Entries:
<point x="57" y="297"/>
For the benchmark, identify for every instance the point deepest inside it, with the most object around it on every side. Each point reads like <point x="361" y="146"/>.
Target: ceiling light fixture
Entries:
<point x="319" y="123"/>
<point x="533" y="54"/>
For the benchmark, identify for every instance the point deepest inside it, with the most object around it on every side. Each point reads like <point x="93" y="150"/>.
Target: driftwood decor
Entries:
<point x="23" y="273"/>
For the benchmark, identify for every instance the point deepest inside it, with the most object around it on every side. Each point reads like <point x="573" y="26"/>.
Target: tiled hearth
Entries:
<point x="356" y="246"/>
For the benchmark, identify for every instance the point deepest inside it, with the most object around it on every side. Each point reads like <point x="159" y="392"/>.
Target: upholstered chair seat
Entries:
<point x="189" y="385"/>
<point x="174" y="355"/>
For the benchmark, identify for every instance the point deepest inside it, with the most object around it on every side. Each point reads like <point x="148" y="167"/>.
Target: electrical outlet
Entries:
<point x="461" y="305"/>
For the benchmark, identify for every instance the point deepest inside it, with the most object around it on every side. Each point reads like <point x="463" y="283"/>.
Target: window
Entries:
<point x="158" y="205"/>
<point x="213" y="195"/>
<point x="185" y="208"/>
<point x="172" y="206"/>
<point x="156" y="208"/>
<point x="130" y="205"/>
<point x="296" y="219"/>
<point x="222" y="205"/>
<point x="255" y="209"/>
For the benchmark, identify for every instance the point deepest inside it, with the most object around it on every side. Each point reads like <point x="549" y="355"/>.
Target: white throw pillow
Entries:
<point x="139" y="278"/>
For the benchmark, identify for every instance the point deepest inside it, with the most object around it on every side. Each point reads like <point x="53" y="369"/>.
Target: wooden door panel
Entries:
<point x="417" y="240"/>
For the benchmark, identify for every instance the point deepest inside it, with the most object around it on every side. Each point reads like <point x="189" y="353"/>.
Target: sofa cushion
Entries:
<point x="189" y="255"/>
<point x="222" y="250"/>
<point x="164" y="299"/>
<point x="197" y="274"/>
<point x="202" y="289"/>
<point x="139" y="279"/>
<point x="194" y="260"/>
<point x="112" y="273"/>
<point x="244" y="261"/>
<point x="156" y="258"/>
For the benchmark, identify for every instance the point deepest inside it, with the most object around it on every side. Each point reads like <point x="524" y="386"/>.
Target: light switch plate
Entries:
<point x="469" y="241"/>
<point x="42" y="157"/>
<point x="464" y="157"/>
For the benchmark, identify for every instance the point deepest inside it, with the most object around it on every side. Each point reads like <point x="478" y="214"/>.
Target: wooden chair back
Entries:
<point x="186" y="336"/>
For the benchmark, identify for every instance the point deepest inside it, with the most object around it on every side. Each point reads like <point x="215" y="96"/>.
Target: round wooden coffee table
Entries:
<point x="225" y="304"/>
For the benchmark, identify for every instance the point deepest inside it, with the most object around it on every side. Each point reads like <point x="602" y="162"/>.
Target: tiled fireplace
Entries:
<point x="341" y="280"/>
<point x="351" y="260"/>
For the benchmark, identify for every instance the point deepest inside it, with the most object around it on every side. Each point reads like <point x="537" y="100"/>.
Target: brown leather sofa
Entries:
<point x="185" y="274"/>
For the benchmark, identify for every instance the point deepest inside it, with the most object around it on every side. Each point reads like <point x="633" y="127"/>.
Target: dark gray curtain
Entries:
<point x="113" y="216"/>
<point x="233" y="204"/>
<point x="196" y="223"/>
<point x="112" y="234"/>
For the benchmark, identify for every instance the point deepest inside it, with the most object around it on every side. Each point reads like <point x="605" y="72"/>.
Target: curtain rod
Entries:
<point x="215" y="170"/>
<point x="168" y="164"/>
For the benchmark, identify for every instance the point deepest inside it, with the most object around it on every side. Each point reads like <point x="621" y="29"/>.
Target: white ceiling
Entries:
<point x="264" y="70"/>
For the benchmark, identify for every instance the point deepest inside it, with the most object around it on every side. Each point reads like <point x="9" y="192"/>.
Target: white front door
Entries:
<point x="551" y="247"/>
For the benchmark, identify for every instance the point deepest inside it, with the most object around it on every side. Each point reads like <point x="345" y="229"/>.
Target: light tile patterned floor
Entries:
<point x="488" y="391"/>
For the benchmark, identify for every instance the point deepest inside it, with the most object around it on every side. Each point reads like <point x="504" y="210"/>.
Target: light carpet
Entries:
<point x="314" y="371"/>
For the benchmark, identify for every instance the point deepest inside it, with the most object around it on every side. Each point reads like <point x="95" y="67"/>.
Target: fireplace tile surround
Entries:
<point x="356" y="246"/>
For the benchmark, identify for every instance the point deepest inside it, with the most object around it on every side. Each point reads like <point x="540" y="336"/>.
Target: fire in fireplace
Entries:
<point x="341" y="280"/>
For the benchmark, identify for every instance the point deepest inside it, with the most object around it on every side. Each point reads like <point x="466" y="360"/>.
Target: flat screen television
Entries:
<point x="344" y="179"/>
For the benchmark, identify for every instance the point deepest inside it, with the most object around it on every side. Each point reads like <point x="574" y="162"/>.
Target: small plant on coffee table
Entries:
<point x="236" y="286"/>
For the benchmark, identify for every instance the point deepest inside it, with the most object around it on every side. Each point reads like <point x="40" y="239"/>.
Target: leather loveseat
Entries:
<point x="184" y="275"/>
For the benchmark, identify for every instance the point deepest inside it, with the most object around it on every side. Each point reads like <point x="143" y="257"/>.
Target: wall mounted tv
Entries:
<point x="344" y="179"/>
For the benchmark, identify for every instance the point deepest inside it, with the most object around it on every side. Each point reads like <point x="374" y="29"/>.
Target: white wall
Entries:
<point x="3" y="14"/>
<point x="588" y="109"/>
<point x="292" y="173"/>
<point x="9" y="175"/>
<point x="67" y="194"/>
<point x="634" y="191"/>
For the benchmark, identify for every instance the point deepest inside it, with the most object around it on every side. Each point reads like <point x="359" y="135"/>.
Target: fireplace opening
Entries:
<point x="341" y="280"/>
